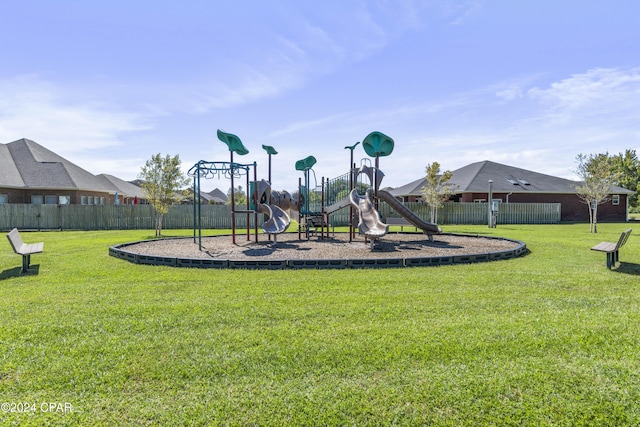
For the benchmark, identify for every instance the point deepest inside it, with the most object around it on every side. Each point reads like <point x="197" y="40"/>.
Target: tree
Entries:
<point x="163" y="182"/>
<point x="361" y="188"/>
<point x="627" y="166"/>
<point x="437" y="189"/>
<point x="597" y="174"/>
<point x="239" y="196"/>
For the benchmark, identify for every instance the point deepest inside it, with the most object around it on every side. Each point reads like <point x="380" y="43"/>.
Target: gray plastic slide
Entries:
<point x="278" y="221"/>
<point x="428" y="227"/>
<point x="369" y="224"/>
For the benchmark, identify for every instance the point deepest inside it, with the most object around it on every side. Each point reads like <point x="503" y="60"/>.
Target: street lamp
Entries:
<point x="489" y="205"/>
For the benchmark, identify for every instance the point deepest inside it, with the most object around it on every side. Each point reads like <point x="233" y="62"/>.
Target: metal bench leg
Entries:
<point x="609" y="260"/>
<point x="26" y="260"/>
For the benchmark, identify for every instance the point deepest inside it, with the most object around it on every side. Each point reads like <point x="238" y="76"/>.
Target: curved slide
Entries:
<point x="369" y="224"/>
<point x="428" y="227"/>
<point x="278" y="221"/>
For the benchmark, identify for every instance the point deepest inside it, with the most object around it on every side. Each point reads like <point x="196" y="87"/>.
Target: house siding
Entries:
<point x="517" y="185"/>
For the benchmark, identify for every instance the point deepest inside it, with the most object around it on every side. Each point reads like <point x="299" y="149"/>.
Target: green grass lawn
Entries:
<point x="551" y="338"/>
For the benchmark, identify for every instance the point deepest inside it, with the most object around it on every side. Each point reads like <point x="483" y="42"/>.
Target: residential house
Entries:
<point x="127" y="193"/>
<point x="510" y="184"/>
<point x="215" y="197"/>
<point x="30" y="173"/>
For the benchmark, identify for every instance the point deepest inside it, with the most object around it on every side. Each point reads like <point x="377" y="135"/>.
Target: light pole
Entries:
<point x="489" y="208"/>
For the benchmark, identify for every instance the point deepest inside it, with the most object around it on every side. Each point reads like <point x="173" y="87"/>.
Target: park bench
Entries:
<point x="21" y="248"/>
<point x="611" y="249"/>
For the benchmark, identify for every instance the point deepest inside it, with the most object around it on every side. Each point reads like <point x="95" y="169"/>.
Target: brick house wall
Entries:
<point x="75" y="197"/>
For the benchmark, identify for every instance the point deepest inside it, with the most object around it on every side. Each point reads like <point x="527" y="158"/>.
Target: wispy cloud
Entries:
<point x="511" y="93"/>
<point x="311" y="40"/>
<point x="521" y="122"/>
<point x="462" y="11"/>
<point x="307" y="125"/>
<point x="28" y="103"/>
<point x="600" y="85"/>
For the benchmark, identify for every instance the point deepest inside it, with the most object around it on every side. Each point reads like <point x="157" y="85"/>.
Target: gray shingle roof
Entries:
<point x="124" y="188"/>
<point x="26" y="164"/>
<point x="218" y="196"/>
<point x="9" y="175"/>
<point x="506" y="179"/>
<point x="41" y="168"/>
<point x="38" y="172"/>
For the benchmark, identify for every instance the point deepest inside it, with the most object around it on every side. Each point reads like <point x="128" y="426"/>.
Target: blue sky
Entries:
<point x="106" y="84"/>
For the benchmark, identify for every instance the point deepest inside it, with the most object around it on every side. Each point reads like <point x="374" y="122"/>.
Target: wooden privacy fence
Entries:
<point x="477" y="213"/>
<point x="127" y="217"/>
<point x="113" y="217"/>
<point x="474" y="213"/>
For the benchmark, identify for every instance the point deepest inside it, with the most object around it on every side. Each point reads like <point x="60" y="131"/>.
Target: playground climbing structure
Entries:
<point x="348" y="190"/>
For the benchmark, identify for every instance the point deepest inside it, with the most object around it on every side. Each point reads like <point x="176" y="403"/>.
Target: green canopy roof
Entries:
<point x="269" y="149"/>
<point x="233" y="142"/>
<point x="377" y="144"/>
<point x="306" y="163"/>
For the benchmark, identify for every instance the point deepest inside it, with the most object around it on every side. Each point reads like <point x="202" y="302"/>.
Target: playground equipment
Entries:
<point x="261" y="199"/>
<point x="230" y="170"/>
<point x="273" y="203"/>
<point x="279" y="220"/>
<point x="377" y="145"/>
<point x="335" y="194"/>
<point x="429" y="228"/>
<point x="304" y="197"/>
<point x="351" y="185"/>
<point x="370" y="224"/>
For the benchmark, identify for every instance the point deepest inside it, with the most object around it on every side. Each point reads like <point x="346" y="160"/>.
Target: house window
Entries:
<point x="615" y="199"/>
<point x="50" y="200"/>
<point x="479" y="200"/>
<point x="90" y="200"/>
<point x="37" y="200"/>
<point x="4" y="198"/>
<point x="64" y="200"/>
<point x="102" y="200"/>
<point x="83" y="200"/>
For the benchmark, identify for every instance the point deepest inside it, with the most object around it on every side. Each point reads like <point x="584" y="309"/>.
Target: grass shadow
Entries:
<point x="34" y="270"/>
<point x="628" y="268"/>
